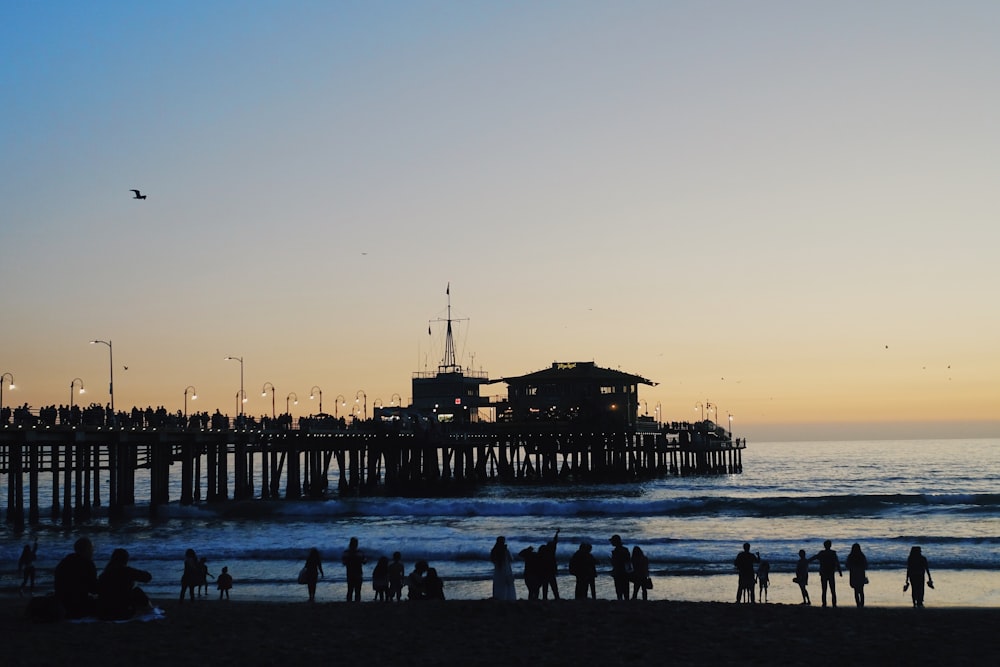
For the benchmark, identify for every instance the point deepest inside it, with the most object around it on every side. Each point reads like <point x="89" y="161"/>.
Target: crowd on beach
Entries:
<point x="114" y="594"/>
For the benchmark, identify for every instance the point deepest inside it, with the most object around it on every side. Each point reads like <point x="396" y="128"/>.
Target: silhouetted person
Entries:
<point x="744" y="564"/>
<point x="76" y="581"/>
<point x="583" y="566"/>
<point x="548" y="567"/>
<point x="503" y="571"/>
<point x="380" y="579"/>
<point x="26" y="566"/>
<point x="916" y="567"/>
<point x="415" y="581"/>
<point x="857" y="568"/>
<point x="763" y="579"/>
<point x="829" y="565"/>
<point x="640" y="573"/>
<point x="802" y="576"/>
<point x="433" y="586"/>
<point x="224" y="583"/>
<point x="353" y="560"/>
<point x="118" y="597"/>
<point x="312" y="571"/>
<point x="191" y="578"/>
<point x="532" y="571"/>
<point x="621" y="567"/>
<point x="396" y="576"/>
<point x="203" y="574"/>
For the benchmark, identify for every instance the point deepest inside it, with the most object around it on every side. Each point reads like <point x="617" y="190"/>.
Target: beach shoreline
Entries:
<point x="464" y="632"/>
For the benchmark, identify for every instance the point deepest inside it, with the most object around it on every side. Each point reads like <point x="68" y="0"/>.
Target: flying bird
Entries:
<point x="125" y="367"/>
<point x="138" y="195"/>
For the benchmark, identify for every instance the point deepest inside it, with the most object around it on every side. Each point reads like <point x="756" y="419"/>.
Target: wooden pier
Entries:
<point x="79" y="463"/>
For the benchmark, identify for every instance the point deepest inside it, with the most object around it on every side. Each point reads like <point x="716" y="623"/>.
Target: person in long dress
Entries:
<point x="503" y="571"/>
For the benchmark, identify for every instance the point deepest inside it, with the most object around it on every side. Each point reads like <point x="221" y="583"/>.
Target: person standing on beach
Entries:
<point x="26" y="566"/>
<point x="224" y="583"/>
<point x="857" y="568"/>
<point x="640" y="573"/>
<point x="191" y="577"/>
<point x="549" y="567"/>
<point x="503" y="571"/>
<point x="744" y="564"/>
<point x="532" y="571"/>
<point x="397" y="572"/>
<point x="802" y="576"/>
<point x="380" y="579"/>
<point x="829" y="564"/>
<point x="583" y="566"/>
<point x="204" y="574"/>
<point x="76" y="581"/>
<point x="763" y="579"/>
<point x="916" y="567"/>
<point x="311" y="572"/>
<point x="353" y="560"/>
<point x="621" y="567"/>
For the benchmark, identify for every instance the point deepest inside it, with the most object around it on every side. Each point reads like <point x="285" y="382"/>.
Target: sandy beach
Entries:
<point x="518" y="633"/>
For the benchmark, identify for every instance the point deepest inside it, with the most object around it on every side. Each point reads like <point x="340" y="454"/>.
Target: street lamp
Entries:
<point x="239" y="406"/>
<point x="700" y="405"/>
<point x="312" y="394"/>
<point x="645" y="407"/>
<point x="71" y="385"/>
<point x="658" y="410"/>
<point x="111" y="374"/>
<point x="288" y="398"/>
<point x="337" y="402"/>
<point x="194" y="397"/>
<point x="392" y="400"/>
<point x="710" y="407"/>
<point x="377" y="403"/>
<point x="5" y="375"/>
<point x="364" y="414"/>
<point x="730" y="425"/>
<point x="239" y="403"/>
<point x="263" y="392"/>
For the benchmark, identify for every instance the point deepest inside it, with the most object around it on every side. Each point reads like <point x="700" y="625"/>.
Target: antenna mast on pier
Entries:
<point x="448" y="364"/>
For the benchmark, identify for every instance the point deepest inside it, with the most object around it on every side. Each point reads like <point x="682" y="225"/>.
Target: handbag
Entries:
<point x="303" y="576"/>
<point x="647" y="584"/>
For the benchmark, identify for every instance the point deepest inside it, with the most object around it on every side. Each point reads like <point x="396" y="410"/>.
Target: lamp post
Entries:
<point x="645" y="407"/>
<point x="194" y="397"/>
<point x="239" y="406"/>
<point x="710" y="407"/>
<point x="393" y="400"/>
<point x="239" y="403"/>
<point x="288" y="398"/>
<point x="312" y="394"/>
<point x="111" y="374"/>
<point x="364" y="413"/>
<point x="263" y="392"/>
<point x="702" y="406"/>
<point x="658" y="410"/>
<point x="730" y="425"/>
<point x="72" y="384"/>
<point x="377" y="403"/>
<point x="337" y="402"/>
<point x="5" y="375"/>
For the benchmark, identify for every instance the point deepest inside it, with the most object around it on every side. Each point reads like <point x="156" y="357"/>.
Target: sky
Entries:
<point x="784" y="210"/>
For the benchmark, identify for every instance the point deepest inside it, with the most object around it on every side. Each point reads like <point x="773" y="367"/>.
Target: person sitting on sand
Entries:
<point x="118" y="597"/>
<point x="763" y="579"/>
<point x="396" y="576"/>
<point x="224" y="583"/>
<point x="744" y="563"/>
<point x="583" y="566"/>
<point x="802" y="576"/>
<point x="76" y="581"/>
<point x="433" y="586"/>
<point x="828" y="565"/>
<point x="916" y="567"/>
<point x="415" y="582"/>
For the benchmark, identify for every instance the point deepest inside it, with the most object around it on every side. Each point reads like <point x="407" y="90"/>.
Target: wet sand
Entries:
<point x="519" y="633"/>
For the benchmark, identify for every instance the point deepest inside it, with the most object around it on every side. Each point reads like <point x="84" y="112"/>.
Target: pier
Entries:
<point x="78" y="469"/>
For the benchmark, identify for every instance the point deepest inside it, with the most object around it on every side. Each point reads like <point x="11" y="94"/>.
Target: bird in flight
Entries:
<point x="138" y="195"/>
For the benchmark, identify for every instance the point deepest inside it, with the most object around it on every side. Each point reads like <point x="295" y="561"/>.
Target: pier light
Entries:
<point x="239" y="406"/>
<point x="395" y="400"/>
<point x="72" y="384"/>
<point x="3" y="377"/>
<point x="111" y="374"/>
<point x="194" y="397"/>
<point x="263" y="392"/>
<point x="312" y="394"/>
<point x="730" y="424"/>
<point x="361" y="392"/>
<point x="658" y="410"/>
<point x="292" y="396"/>
<point x="339" y="402"/>
<point x="702" y="406"/>
<point x="645" y="407"/>
<point x="377" y="403"/>
<point x="239" y="403"/>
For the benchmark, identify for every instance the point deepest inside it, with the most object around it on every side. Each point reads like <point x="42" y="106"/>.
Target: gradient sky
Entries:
<point x="787" y="209"/>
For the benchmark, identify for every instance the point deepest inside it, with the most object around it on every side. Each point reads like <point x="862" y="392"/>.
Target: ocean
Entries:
<point x="943" y="495"/>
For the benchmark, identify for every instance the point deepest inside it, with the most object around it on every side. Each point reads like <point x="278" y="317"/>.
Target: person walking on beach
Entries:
<point x="583" y="566"/>
<point x="353" y="560"/>
<point x="916" y="567"/>
<point x="829" y="565"/>
<point x="503" y="572"/>
<point x="763" y="579"/>
<point x="26" y="566"/>
<point x="744" y="564"/>
<point x="224" y="583"/>
<point x="311" y="572"/>
<point x="397" y="573"/>
<point x="191" y="577"/>
<point x="857" y="568"/>
<point x="621" y="567"/>
<point x="640" y="573"/>
<point x="802" y="576"/>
